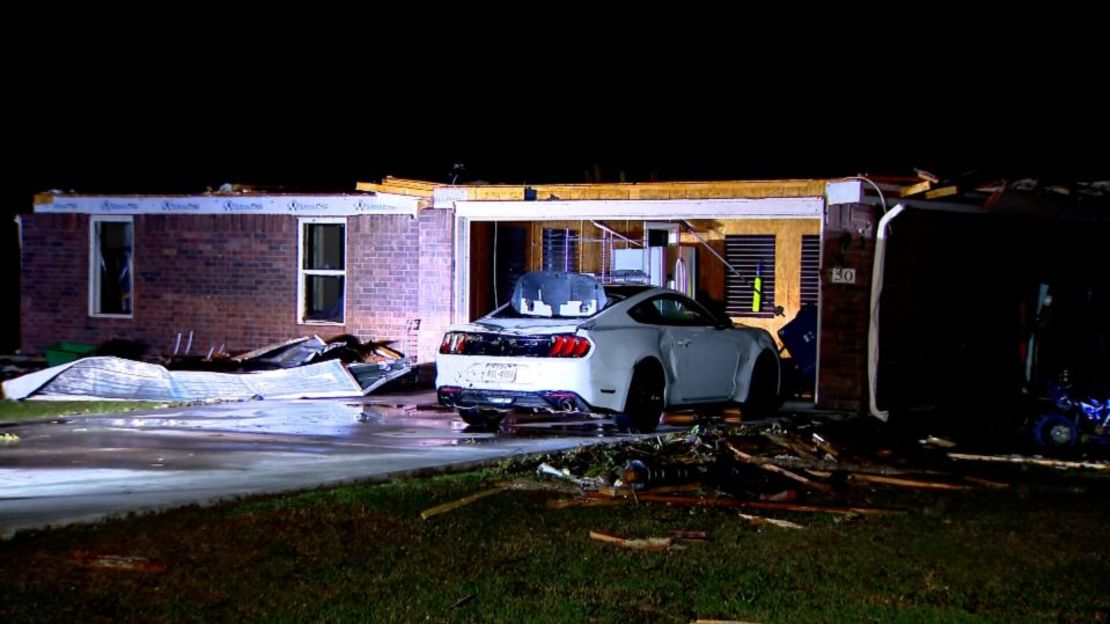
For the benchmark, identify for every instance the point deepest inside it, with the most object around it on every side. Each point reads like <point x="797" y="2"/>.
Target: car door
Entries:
<point x="703" y="356"/>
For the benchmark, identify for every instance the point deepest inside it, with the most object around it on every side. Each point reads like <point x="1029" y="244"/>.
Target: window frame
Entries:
<point x="747" y="282"/>
<point x="709" y="320"/>
<point x="811" y="279"/>
<point x="94" y="266"/>
<point x="303" y="274"/>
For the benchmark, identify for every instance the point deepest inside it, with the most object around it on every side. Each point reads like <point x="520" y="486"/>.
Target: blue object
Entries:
<point x="799" y="336"/>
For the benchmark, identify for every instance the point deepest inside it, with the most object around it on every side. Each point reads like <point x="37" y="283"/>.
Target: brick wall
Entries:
<point x="232" y="280"/>
<point x="849" y="242"/>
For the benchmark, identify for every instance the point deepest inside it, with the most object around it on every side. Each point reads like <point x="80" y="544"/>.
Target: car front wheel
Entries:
<point x="763" y="396"/>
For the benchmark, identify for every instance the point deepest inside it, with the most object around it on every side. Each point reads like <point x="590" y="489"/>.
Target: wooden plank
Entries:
<point x="1017" y="459"/>
<point x="914" y="189"/>
<point x="651" y="544"/>
<point x="701" y="501"/>
<point x="753" y="189"/>
<point x="910" y="483"/>
<point x="761" y="520"/>
<point x="565" y="503"/>
<point x="749" y="459"/>
<point x="943" y="191"/>
<point x="444" y="508"/>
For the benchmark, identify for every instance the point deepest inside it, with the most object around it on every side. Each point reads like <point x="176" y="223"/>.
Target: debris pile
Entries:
<point x="306" y="367"/>
<point x="769" y="475"/>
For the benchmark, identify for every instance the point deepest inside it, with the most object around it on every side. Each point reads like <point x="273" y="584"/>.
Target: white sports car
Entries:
<point x="566" y="343"/>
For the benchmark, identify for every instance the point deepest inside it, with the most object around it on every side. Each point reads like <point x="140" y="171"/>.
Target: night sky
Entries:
<point x="189" y="140"/>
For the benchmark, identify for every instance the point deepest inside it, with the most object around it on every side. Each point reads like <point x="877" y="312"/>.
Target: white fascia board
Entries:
<point x="765" y="208"/>
<point x="299" y="205"/>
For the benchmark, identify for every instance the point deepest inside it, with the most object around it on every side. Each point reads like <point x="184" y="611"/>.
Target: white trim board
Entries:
<point x="299" y="205"/>
<point x="648" y="209"/>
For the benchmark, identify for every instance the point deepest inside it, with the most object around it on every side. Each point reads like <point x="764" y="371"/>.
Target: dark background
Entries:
<point x="118" y="114"/>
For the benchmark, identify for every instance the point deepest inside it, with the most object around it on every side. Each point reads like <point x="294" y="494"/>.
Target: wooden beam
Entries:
<point x="914" y="189"/>
<point x="943" y="191"/>
<point x="444" y="508"/>
<point x="1017" y="459"/>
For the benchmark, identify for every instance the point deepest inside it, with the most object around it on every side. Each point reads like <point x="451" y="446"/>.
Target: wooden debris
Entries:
<point x="654" y="544"/>
<point x="925" y="175"/>
<point x="943" y="191"/>
<point x="914" y="189"/>
<point x="703" y="501"/>
<point x="794" y="446"/>
<point x="910" y="483"/>
<point x="445" y="507"/>
<point x="533" y="485"/>
<point x="565" y="503"/>
<point x="829" y="448"/>
<point x="91" y="560"/>
<point x="674" y="418"/>
<point x="761" y="520"/>
<point x="831" y="466"/>
<point x="670" y="489"/>
<point x="986" y="482"/>
<point x="938" y="442"/>
<point x="750" y="459"/>
<point x="1018" y="459"/>
<point x="697" y="536"/>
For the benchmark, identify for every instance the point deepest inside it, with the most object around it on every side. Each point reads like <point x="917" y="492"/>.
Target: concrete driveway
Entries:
<point x="87" y="468"/>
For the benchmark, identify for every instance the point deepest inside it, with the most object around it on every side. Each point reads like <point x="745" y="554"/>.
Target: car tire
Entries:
<point x="763" y="396"/>
<point x="1056" y="431"/>
<point x="644" y="404"/>
<point x="480" y="418"/>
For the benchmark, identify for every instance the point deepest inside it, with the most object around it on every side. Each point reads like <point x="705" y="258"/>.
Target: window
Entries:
<point x="670" y="310"/>
<point x="111" y="257"/>
<point x="752" y="295"/>
<point x="811" y="268"/>
<point x="322" y="275"/>
<point x="560" y="249"/>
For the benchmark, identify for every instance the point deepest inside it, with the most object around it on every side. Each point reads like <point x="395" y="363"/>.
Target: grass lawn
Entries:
<point x="20" y="411"/>
<point x="1034" y="552"/>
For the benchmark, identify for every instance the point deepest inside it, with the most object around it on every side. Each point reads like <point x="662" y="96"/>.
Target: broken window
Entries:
<point x="811" y="268"/>
<point x="323" y="273"/>
<point x="752" y="294"/>
<point x="560" y="249"/>
<point x="111" y="251"/>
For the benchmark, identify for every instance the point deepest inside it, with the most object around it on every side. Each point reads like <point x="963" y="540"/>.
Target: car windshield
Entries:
<point x="613" y="295"/>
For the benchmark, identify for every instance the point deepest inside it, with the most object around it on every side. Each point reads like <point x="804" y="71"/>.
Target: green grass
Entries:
<point x="1035" y="552"/>
<point x="21" y="411"/>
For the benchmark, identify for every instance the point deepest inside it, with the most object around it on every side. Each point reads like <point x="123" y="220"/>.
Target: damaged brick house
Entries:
<point x="238" y="270"/>
<point x="243" y="270"/>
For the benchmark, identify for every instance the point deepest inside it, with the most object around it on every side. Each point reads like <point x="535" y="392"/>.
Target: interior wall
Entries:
<point x="711" y="271"/>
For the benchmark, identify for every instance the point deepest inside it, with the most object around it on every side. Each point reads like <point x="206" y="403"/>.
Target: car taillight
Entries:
<point x="568" y="346"/>
<point x="453" y="342"/>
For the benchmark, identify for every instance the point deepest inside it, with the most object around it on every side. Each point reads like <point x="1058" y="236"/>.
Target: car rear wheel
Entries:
<point x="644" y="405"/>
<point x="763" y="396"/>
<point x="484" y="419"/>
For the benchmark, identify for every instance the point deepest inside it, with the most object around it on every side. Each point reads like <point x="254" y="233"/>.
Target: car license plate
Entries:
<point x="495" y="373"/>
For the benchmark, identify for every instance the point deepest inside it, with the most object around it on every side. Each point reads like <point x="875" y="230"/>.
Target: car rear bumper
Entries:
<point x="538" y="383"/>
<point x="551" y="400"/>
